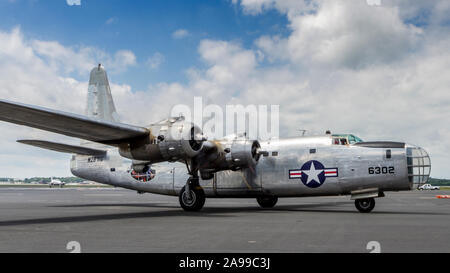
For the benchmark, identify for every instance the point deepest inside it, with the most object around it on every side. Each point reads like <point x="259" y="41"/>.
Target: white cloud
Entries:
<point x="81" y="59"/>
<point x="180" y="33"/>
<point x="111" y="20"/>
<point x="121" y="61"/>
<point x="29" y="74"/>
<point x="155" y="60"/>
<point x="343" y="33"/>
<point x="289" y="7"/>
<point x="228" y="62"/>
<point x="73" y="2"/>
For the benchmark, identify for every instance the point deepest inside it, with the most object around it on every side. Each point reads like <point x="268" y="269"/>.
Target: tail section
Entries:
<point x="100" y="104"/>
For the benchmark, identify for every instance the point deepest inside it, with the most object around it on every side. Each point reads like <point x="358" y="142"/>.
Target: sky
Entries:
<point x="377" y="69"/>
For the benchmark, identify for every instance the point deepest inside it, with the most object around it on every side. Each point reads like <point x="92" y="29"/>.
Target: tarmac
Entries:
<point x="118" y="220"/>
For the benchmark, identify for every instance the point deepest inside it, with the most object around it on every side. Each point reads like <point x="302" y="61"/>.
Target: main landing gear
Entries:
<point x="267" y="201"/>
<point x="365" y="205"/>
<point x="192" y="196"/>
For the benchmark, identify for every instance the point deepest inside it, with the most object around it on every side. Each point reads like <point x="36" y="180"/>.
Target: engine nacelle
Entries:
<point x="242" y="153"/>
<point x="170" y="140"/>
<point x="181" y="140"/>
<point x="235" y="154"/>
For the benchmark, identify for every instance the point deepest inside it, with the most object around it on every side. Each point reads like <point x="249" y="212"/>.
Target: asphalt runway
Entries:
<point x="117" y="220"/>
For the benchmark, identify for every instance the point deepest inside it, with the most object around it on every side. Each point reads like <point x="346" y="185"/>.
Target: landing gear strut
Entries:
<point x="365" y="205"/>
<point x="192" y="196"/>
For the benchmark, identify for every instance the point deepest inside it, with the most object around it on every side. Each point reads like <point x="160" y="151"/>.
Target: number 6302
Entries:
<point x="381" y="170"/>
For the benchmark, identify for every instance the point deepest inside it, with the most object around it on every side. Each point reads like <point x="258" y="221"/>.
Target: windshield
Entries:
<point x="346" y="139"/>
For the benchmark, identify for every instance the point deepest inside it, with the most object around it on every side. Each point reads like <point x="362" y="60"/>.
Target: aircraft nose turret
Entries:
<point x="419" y="165"/>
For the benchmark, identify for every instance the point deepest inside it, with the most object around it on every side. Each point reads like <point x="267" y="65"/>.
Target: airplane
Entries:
<point x="173" y="157"/>
<point x="56" y="182"/>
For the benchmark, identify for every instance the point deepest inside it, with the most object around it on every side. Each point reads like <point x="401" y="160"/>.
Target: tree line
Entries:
<point x="71" y="179"/>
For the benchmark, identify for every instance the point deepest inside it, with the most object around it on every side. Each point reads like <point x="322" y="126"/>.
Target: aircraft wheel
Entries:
<point x="197" y="200"/>
<point x="365" y="205"/>
<point x="267" y="201"/>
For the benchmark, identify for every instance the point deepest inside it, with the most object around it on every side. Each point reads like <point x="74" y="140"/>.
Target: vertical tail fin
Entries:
<point x="100" y="104"/>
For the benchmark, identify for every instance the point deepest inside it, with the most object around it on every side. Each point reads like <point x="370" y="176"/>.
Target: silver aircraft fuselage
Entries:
<point x="294" y="167"/>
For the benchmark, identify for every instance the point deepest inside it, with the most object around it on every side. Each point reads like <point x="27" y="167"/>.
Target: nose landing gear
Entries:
<point x="365" y="205"/>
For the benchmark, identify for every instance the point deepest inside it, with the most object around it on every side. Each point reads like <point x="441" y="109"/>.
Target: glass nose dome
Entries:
<point x="419" y="165"/>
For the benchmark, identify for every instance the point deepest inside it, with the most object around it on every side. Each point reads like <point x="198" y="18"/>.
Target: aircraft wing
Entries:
<point x="68" y="124"/>
<point x="63" y="148"/>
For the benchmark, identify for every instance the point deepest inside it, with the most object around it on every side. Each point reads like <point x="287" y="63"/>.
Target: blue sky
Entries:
<point x="144" y="27"/>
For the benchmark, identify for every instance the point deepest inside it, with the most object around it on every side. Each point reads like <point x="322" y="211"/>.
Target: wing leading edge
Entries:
<point x="73" y="125"/>
<point x="63" y="148"/>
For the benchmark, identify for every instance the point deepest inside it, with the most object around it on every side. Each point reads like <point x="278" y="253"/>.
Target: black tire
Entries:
<point x="365" y="205"/>
<point x="198" y="199"/>
<point x="267" y="201"/>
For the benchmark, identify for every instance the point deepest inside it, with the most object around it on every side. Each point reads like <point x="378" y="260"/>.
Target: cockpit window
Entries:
<point x="357" y="139"/>
<point x="345" y="139"/>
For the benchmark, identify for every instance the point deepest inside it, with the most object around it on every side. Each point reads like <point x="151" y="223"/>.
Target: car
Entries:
<point x="428" y="187"/>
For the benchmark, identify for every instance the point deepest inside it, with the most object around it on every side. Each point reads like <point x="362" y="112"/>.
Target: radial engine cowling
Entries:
<point x="235" y="154"/>
<point x="242" y="153"/>
<point x="171" y="140"/>
<point x="180" y="141"/>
